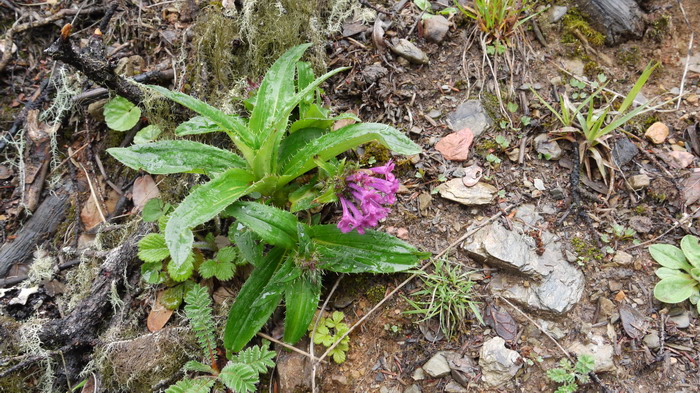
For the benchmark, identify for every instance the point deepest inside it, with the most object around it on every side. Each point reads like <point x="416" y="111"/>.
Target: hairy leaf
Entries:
<point x="177" y="156"/>
<point x="275" y="226"/>
<point x="152" y="248"/>
<point x="301" y="300"/>
<point x="675" y="289"/>
<point x="215" y="268"/>
<point x="196" y="126"/>
<point x="181" y="271"/>
<point x="691" y="249"/>
<point x="199" y="312"/>
<point x="669" y="256"/>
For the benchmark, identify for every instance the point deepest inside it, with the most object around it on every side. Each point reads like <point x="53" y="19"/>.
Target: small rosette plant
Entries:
<point x="284" y="167"/>
<point x="679" y="271"/>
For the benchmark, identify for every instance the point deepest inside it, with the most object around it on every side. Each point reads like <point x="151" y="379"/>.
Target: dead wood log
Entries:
<point x="617" y="19"/>
<point x="42" y="224"/>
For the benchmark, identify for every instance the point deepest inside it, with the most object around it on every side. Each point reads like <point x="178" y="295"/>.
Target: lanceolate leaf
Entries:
<point x="275" y="226"/>
<point x="669" y="256"/>
<point x="254" y="304"/>
<point x="373" y="252"/>
<point x="177" y="156"/>
<point x="691" y="249"/>
<point x="203" y="204"/>
<point x="198" y="125"/>
<point x="237" y="129"/>
<point x="675" y="289"/>
<point x="348" y="137"/>
<point x="301" y="299"/>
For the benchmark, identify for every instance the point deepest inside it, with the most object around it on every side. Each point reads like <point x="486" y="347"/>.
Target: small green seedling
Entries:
<point x="679" y="271"/>
<point x="328" y="331"/>
<point x="569" y="375"/>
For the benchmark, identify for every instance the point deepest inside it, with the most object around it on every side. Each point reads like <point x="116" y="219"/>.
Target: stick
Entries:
<point x="685" y="70"/>
<point x="414" y="275"/>
<point x="290" y="347"/>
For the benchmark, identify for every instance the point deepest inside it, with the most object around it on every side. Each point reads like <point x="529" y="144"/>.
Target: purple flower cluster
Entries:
<point x="366" y="197"/>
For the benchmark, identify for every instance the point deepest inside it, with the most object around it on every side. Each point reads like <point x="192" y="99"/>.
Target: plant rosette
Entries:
<point x="679" y="271"/>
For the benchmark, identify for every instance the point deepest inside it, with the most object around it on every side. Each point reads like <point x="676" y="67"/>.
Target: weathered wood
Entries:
<point x="617" y="19"/>
<point x="42" y="224"/>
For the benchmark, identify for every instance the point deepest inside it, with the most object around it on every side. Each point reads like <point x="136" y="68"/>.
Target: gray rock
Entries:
<point x="624" y="151"/>
<point x="469" y="114"/>
<point x="293" y="370"/>
<point x="435" y="28"/>
<point x="574" y="66"/>
<point x="498" y="363"/>
<point x="637" y="182"/>
<point x="641" y="224"/>
<point x="652" y="339"/>
<point x="544" y="282"/>
<point x="623" y="258"/>
<point x="373" y="73"/>
<point x="479" y="194"/>
<point x="549" y="150"/>
<point x="418" y="374"/>
<point x="556" y="13"/>
<point x="601" y="352"/>
<point x="640" y="99"/>
<point x="409" y="51"/>
<point x="454" y="387"/>
<point x="437" y="366"/>
<point x="682" y="320"/>
<point x="413" y="389"/>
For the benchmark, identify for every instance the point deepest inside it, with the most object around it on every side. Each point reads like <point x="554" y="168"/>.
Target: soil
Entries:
<point x="387" y="348"/>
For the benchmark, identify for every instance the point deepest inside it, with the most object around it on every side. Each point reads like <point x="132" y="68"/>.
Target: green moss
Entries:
<point x="629" y="57"/>
<point x="376" y="293"/>
<point x="374" y="152"/>
<point x="660" y="28"/>
<point x="586" y="250"/>
<point x="640" y="210"/>
<point x="574" y="20"/>
<point x="486" y="146"/>
<point x="592" y="69"/>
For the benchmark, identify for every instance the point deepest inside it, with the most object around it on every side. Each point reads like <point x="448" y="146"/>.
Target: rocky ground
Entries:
<point x="491" y="190"/>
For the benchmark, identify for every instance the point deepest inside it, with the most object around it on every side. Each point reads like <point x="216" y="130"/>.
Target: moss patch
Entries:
<point x="573" y="21"/>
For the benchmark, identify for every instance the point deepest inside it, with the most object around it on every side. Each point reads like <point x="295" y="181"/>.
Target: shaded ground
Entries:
<point x="418" y="99"/>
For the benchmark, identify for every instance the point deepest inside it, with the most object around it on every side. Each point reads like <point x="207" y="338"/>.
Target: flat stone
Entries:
<point x="601" y="352"/>
<point x="498" y="363"/>
<point x="454" y="387"/>
<point x="556" y="13"/>
<point x="637" y="182"/>
<point x="574" y="66"/>
<point x="409" y="51"/>
<point x="692" y="99"/>
<point x="469" y="114"/>
<point x="549" y="150"/>
<point x="693" y="63"/>
<point x="435" y="28"/>
<point x="479" y="194"/>
<point x="652" y="339"/>
<point x="418" y="374"/>
<point x="544" y="282"/>
<point x="657" y="132"/>
<point x="607" y="307"/>
<point x="293" y="370"/>
<point x="641" y="224"/>
<point x="623" y="258"/>
<point x="682" y="320"/>
<point x="456" y="146"/>
<point x="624" y="151"/>
<point x="437" y="366"/>
<point x="413" y="389"/>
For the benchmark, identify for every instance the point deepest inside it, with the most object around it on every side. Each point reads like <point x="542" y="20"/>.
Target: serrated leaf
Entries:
<point x="348" y="137"/>
<point x="373" y="252"/>
<point x="675" y="289"/>
<point x="152" y="272"/>
<point x="198" y="367"/>
<point x="199" y="312"/>
<point x="152" y="248"/>
<point x="200" y="385"/>
<point x="301" y="300"/>
<point x="669" y="256"/>
<point x="257" y="357"/>
<point x="559" y="375"/>
<point x="585" y="364"/>
<point x="177" y="156"/>
<point x="152" y="210"/>
<point x="182" y="271"/>
<point x="239" y="377"/>
<point x="275" y="226"/>
<point x="691" y="249"/>
<point x="147" y="134"/>
<point x="214" y="268"/>
<point x="227" y="254"/>
<point x="200" y="206"/>
<point x="120" y="114"/>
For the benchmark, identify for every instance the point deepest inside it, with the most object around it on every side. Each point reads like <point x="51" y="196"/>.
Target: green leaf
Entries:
<point x="203" y="204"/>
<point x="585" y="364"/>
<point x="152" y="210"/>
<point x="152" y="272"/>
<point x="257" y="357"/>
<point x="199" y="385"/>
<point x="152" y="248"/>
<point x="177" y="156"/>
<point x="226" y="254"/>
<point x="664" y="272"/>
<point x="147" y="134"/>
<point x="338" y="354"/>
<point x="373" y="252"/>
<point x="254" y="304"/>
<point x="318" y="121"/>
<point x="304" y="197"/>
<point x="296" y="141"/>
<point x="675" y="289"/>
<point x="181" y="271"/>
<point x="348" y="137"/>
<point x="199" y="312"/>
<point x="669" y="256"/>
<point x="198" y="125"/>
<point x="172" y="297"/>
<point x="559" y="375"/>
<point x="235" y="127"/>
<point x="120" y="114"/>
<point x="275" y="226"/>
<point x="275" y="90"/>
<point x="198" y="367"/>
<point x="301" y="300"/>
<point x="214" y="268"/>
<point x="691" y="249"/>
<point x="239" y="377"/>
<point x="248" y="243"/>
